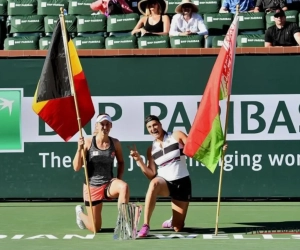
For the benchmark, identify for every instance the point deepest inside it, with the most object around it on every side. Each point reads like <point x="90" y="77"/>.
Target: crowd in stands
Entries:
<point x="128" y="24"/>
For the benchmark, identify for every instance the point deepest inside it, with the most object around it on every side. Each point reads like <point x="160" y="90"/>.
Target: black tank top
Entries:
<point x="100" y="163"/>
<point x="158" y="27"/>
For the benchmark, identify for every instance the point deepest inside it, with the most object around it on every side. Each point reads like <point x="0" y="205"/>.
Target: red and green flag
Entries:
<point x="53" y="101"/>
<point x="206" y="138"/>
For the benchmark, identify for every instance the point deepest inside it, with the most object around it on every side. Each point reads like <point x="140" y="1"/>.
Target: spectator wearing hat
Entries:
<point x="187" y="21"/>
<point x="269" y="5"/>
<point x="154" y="21"/>
<point x="283" y="33"/>
<point x="230" y="6"/>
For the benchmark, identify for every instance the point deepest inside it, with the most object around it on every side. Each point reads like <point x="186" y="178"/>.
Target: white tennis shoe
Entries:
<point x="78" y="210"/>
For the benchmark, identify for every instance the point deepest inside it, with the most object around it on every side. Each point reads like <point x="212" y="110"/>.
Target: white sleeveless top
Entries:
<point x="169" y="159"/>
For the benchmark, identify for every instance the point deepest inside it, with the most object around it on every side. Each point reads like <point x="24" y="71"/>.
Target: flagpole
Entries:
<point x="223" y="151"/>
<point x="70" y="74"/>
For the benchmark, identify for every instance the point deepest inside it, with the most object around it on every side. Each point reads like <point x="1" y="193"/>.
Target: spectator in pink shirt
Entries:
<point x="111" y="7"/>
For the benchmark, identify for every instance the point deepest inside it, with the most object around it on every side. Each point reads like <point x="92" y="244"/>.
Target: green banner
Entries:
<point x="263" y="158"/>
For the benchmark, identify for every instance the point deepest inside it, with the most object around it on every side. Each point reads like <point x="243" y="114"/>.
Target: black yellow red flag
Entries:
<point x="53" y="101"/>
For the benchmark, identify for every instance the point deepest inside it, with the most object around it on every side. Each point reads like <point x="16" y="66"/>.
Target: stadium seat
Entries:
<point x="122" y="24"/>
<point x="21" y="43"/>
<point x="22" y="25"/>
<point x="93" y="42"/>
<point x="51" y="7"/>
<point x="217" y="41"/>
<point x="21" y="7"/>
<point x="44" y="43"/>
<point x="251" y="40"/>
<point x="217" y="25"/>
<point x="208" y="6"/>
<point x="172" y="6"/>
<point x="92" y="24"/>
<point x="151" y="42"/>
<point x="80" y="7"/>
<point x="291" y="16"/>
<point x="194" y="41"/>
<point x="124" y="42"/>
<point x="3" y="8"/>
<point x="252" y="23"/>
<point x="50" y="23"/>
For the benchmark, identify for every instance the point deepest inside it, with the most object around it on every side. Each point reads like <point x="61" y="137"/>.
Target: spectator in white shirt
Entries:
<point x="187" y="21"/>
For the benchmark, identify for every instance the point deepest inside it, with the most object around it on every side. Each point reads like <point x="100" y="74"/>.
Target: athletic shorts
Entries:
<point x="180" y="189"/>
<point x="98" y="194"/>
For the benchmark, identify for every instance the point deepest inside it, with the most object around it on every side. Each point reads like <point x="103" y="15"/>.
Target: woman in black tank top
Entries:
<point x="154" y="22"/>
<point x="100" y="152"/>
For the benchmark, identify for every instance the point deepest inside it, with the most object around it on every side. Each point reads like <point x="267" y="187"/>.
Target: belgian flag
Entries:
<point x="54" y="97"/>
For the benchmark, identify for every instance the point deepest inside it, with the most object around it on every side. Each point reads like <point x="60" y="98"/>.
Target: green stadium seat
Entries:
<point x="92" y="42"/>
<point x="172" y="6"/>
<point x="21" y="43"/>
<point x="51" y="7"/>
<point x="208" y="6"/>
<point x="80" y="7"/>
<point x="217" y="25"/>
<point x="21" y="7"/>
<point x="92" y="24"/>
<point x="194" y="41"/>
<point x="122" y="23"/>
<point x="217" y="41"/>
<point x="251" y="40"/>
<point x="3" y="7"/>
<point x="125" y="42"/>
<point x="22" y="25"/>
<point x="50" y="23"/>
<point x="2" y="31"/>
<point x="252" y="23"/>
<point x="44" y="42"/>
<point x="151" y="42"/>
<point x="291" y="16"/>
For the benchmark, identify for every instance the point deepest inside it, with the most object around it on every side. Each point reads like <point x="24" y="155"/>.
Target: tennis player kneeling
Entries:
<point x="100" y="152"/>
<point x="171" y="179"/>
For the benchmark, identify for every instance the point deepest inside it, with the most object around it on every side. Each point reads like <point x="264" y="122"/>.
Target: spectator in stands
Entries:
<point x="111" y="7"/>
<point x="154" y="21"/>
<point x="229" y="6"/>
<point x="187" y="21"/>
<point x="269" y="5"/>
<point x="283" y="33"/>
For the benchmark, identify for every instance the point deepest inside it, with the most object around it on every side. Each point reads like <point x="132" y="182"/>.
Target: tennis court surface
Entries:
<point x="242" y="225"/>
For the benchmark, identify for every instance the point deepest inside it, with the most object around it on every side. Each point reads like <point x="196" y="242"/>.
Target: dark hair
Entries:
<point x="150" y="118"/>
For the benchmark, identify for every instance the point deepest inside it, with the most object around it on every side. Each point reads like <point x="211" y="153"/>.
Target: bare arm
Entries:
<point x="120" y="159"/>
<point x="180" y="137"/>
<point x="297" y="37"/>
<point x="139" y="25"/>
<point x="150" y="169"/>
<point x="78" y="159"/>
<point x="267" y="44"/>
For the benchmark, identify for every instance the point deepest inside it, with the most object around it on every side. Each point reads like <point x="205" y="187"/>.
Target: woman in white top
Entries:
<point x="187" y="21"/>
<point x="171" y="179"/>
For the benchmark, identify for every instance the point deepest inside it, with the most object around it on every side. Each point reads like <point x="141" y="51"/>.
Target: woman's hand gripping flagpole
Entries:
<point x="62" y="20"/>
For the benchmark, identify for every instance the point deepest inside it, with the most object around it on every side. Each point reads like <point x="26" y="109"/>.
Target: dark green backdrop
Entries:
<point x="21" y="174"/>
